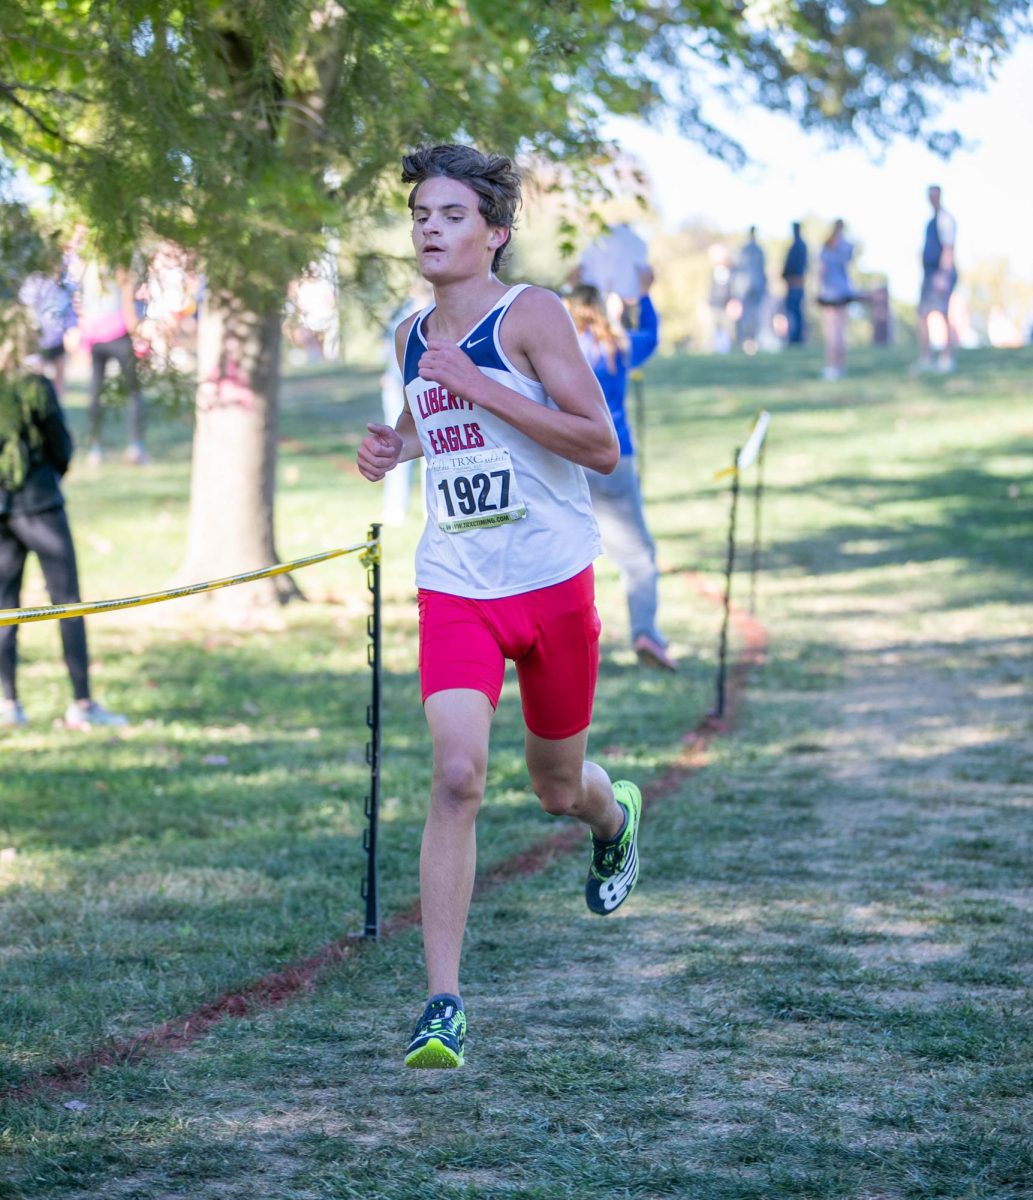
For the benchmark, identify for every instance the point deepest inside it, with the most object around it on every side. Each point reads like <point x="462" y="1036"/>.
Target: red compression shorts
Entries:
<point x="552" y="634"/>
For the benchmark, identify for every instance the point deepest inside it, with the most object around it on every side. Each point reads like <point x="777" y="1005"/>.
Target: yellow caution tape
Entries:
<point x="22" y="616"/>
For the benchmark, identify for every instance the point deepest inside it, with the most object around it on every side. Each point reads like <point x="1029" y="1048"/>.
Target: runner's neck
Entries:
<point x="460" y="307"/>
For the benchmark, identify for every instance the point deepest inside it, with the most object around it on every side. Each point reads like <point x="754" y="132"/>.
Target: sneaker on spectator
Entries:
<point x="12" y="714"/>
<point x="135" y="455"/>
<point x="95" y="455"/>
<point x="652" y="654"/>
<point x="90" y="715"/>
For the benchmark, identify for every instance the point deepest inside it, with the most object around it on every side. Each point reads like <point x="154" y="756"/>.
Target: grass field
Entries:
<point x="820" y="989"/>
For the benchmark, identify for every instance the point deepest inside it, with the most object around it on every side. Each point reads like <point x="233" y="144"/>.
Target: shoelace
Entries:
<point x="440" y="1024"/>
<point x="608" y="857"/>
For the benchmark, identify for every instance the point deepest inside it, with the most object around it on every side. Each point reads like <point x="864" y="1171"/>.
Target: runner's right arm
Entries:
<point x="385" y="447"/>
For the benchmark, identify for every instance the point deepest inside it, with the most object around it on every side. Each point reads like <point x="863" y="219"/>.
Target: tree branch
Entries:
<point x="10" y="92"/>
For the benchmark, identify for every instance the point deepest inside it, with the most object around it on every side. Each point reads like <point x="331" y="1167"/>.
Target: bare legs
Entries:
<point x="567" y="785"/>
<point x="835" y="318"/>
<point x="925" y="349"/>
<point x="460" y="725"/>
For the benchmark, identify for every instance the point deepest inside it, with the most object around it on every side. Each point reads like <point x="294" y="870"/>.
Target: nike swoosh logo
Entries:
<point x="470" y="345"/>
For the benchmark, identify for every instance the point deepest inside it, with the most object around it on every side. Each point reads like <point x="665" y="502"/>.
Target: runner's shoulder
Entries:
<point x="403" y="326"/>
<point x="537" y="309"/>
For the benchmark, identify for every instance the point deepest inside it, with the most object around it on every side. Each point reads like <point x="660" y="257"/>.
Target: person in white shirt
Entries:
<point x="504" y="407"/>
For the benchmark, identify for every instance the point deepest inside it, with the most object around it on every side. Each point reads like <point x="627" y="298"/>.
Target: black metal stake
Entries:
<point x="370" y="888"/>
<point x="758" y="493"/>
<point x="722" y="655"/>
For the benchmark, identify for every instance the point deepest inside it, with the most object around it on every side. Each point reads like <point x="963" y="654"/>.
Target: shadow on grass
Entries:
<point x="979" y="520"/>
<point x="979" y="524"/>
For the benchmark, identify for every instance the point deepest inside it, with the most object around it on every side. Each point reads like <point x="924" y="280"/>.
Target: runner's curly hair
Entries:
<point x="492" y="176"/>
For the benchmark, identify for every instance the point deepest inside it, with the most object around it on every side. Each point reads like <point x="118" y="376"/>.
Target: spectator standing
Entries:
<point x="720" y="299"/>
<point x="751" y="288"/>
<point x="617" y="497"/>
<point x="49" y="299"/>
<point x="35" y="450"/>
<point x="835" y="294"/>
<point x="794" y="273"/>
<point x="107" y="319"/>
<point x="939" y="278"/>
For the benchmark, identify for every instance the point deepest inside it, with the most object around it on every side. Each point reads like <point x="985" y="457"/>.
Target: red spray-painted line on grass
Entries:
<point x="300" y="977"/>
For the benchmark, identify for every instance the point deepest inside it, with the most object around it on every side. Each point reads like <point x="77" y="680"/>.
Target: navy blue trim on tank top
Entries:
<point x="479" y="344"/>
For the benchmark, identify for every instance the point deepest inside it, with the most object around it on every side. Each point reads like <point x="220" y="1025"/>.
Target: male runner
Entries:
<point x="503" y="405"/>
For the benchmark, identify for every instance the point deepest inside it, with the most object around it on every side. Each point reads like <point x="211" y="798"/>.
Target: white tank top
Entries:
<point x="504" y="515"/>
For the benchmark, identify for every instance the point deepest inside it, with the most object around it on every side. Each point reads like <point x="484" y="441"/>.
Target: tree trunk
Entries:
<point x="233" y="480"/>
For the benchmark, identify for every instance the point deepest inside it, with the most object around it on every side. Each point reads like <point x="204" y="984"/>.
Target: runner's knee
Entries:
<point x="459" y="778"/>
<point x="557" y="796"/>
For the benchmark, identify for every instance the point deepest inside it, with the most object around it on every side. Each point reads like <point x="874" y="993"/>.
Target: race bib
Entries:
<point x="475" y="489"/>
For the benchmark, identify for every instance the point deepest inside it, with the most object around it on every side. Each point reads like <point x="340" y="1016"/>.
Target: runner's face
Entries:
<point x="451" y="238"/>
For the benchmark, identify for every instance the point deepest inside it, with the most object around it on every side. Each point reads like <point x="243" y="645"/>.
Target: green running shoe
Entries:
<point x="439" y="1036"/>
<point x="614" y="870"/>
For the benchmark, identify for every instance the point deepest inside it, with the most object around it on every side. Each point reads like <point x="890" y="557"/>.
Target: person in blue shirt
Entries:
<point x="836" y="293"/>
<point x="617" y="498"/>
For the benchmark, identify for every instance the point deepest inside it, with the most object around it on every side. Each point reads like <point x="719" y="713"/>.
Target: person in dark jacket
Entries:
<point x="794" y="272"/>
<point x="617" y="498"/>
<point x="35" y="450"/>
<point x="939" y="278"/>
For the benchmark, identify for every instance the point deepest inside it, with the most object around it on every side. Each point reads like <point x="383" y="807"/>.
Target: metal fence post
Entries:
<point x="719" y="707"/>
<point x="370" y="884"/>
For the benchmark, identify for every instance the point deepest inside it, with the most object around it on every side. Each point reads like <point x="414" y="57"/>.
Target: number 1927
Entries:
<point x="473" y="495"/>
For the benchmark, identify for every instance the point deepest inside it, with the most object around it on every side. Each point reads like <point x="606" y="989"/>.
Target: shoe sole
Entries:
<point x="433" y="1055"/>
<point x="633" y="804"/>
<point x="649" y="659"/>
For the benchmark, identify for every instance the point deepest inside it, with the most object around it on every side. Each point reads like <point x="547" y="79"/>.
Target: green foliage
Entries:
<point x="169" y="388"/>
<point x="22" y="403"/>
<point x="244" y="130"/>
<point x="24" y="248"/>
